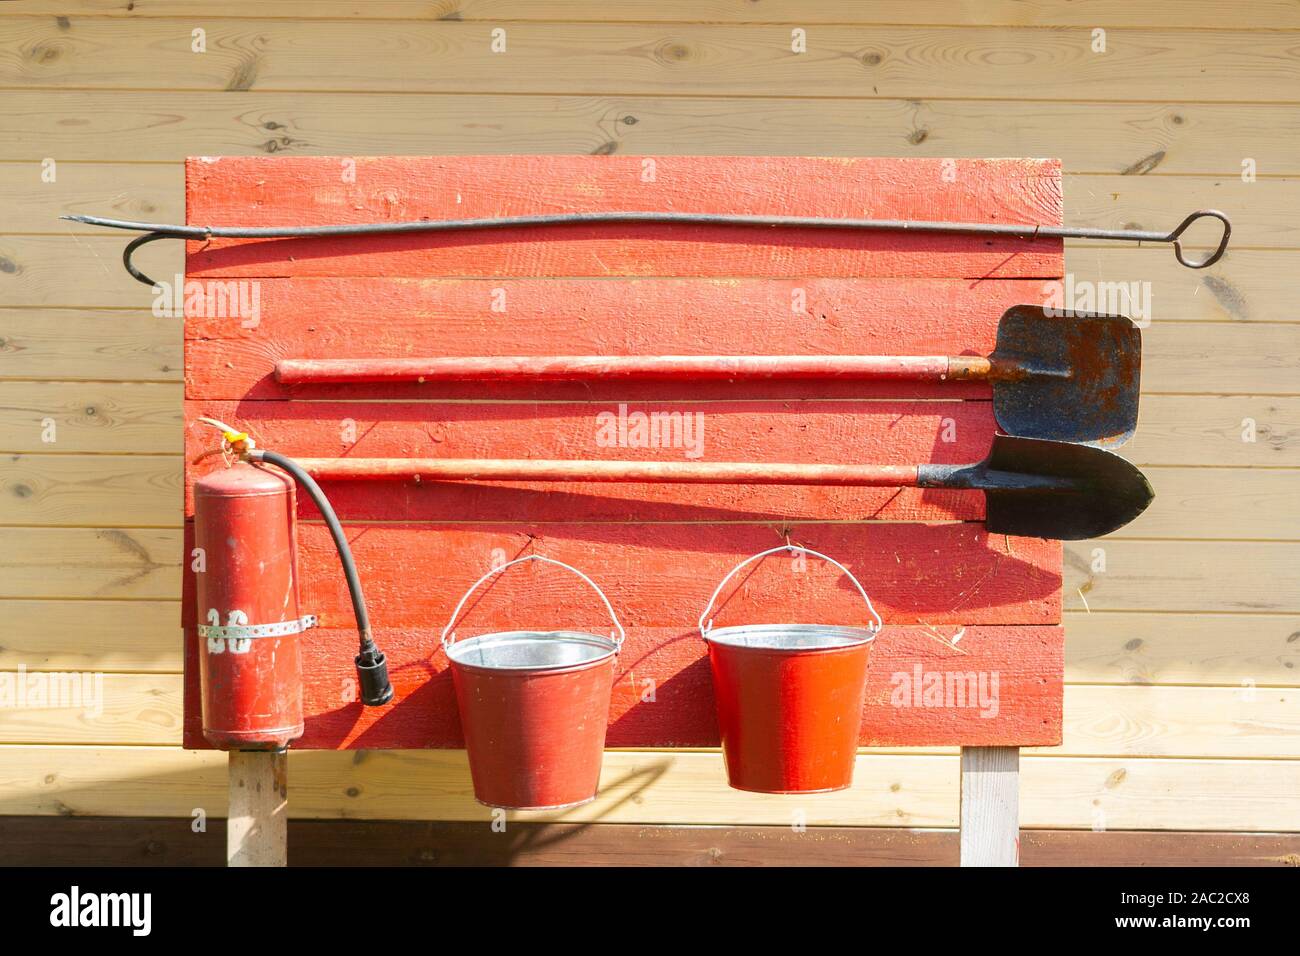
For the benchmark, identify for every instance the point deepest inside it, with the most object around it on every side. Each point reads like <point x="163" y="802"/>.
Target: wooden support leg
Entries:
<point x="258" y="818"/>
<point x="990" y="806"/>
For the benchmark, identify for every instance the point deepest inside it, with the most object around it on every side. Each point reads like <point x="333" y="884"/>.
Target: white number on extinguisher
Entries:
<point x="235" y="645"/>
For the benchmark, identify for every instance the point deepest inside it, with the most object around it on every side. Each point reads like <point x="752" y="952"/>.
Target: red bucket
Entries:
<point x="789" y="696"/>
<point x="533" y="707"/>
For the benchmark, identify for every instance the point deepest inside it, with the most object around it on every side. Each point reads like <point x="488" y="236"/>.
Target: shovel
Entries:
<point x="1065" y="379"/>
<point x="1032" y="487"/>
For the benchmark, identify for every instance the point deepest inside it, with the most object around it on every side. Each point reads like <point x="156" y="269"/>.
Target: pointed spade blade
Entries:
<point x="1049" y="489"/>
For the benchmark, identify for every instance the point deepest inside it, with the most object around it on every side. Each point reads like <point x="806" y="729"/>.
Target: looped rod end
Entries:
<point x="1216" y="254"/>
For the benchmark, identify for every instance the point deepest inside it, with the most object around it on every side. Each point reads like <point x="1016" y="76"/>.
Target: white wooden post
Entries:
<point x="990" y="806"/>
<point x="257" y="831"/>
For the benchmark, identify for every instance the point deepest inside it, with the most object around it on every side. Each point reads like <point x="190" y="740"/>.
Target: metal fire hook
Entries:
<point x="154" y="231"/>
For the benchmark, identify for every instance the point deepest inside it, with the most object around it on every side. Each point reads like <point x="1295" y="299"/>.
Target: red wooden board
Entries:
<point x="656" y="576"/>
<point x="660" y="575"/>
<point x="919" y="691"/>
<point x="229" y="357"/>
<point x="311" y="190"/>
<point x="657" y="549"/>
<point x="825" y="431"/>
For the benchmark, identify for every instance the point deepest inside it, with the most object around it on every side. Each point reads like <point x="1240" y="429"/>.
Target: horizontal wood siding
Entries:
<point x="1183" y="630"/>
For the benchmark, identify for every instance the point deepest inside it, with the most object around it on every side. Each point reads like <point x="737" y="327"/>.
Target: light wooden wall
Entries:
<point x="1181" y="661"/>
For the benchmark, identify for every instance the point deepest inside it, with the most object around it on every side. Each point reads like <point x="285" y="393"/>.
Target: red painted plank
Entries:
<point x="300" y="190"/>
<point x="998" y="686"/>
<point x="527" y="502"/>
<point x="395" y="318"/>
<point x="829" y="432"/>
<point x="660" y="575"/>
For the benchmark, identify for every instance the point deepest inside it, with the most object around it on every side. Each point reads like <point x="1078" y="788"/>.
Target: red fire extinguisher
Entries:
<point x="249" y="617"/>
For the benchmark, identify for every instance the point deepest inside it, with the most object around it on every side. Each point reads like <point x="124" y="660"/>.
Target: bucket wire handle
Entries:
<point x="706" y="622"/>
<point x="618" y="641"/>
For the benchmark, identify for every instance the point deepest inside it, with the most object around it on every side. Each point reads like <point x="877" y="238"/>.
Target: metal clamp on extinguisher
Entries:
<point x="245" y="524"/>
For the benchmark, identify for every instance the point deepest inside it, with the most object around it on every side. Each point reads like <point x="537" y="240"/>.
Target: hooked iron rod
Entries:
<point x="154" y="231"/>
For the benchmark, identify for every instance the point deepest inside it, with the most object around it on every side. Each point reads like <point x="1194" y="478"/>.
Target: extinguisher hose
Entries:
<point x="372" y="665"/>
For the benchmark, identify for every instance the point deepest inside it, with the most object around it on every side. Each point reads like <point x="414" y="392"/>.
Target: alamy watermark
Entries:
<point x="68" y="690"/>
<point x="974" y="690"/>
<point x="627" y="429"/>
<point x="209" y="299"/>
<point x="1074" y="297"/>
<point x="76" y="908"/>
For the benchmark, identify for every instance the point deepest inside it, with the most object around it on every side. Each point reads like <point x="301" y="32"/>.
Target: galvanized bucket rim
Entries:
<point x="607" y="647"/>
<point x="726" y="636"/>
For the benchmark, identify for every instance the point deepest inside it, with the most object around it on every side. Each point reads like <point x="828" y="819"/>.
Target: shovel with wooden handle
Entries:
<point x="1032" y="487"/>
<point x="1073" y="378"/>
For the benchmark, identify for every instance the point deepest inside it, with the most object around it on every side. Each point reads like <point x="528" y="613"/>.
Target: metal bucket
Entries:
<point x="789" y="696"/>
<point x="533" y="707"/>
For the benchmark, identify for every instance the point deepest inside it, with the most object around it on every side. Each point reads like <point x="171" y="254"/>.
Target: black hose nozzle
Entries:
<point x="372" y="672"/>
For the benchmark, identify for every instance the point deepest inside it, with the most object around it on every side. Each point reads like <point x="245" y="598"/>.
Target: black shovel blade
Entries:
<point x="1080" y="376"/>
<point x="1050" y="489"/>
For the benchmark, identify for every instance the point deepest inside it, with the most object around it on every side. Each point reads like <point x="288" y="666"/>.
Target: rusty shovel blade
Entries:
<point x="1068" y="378"/>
